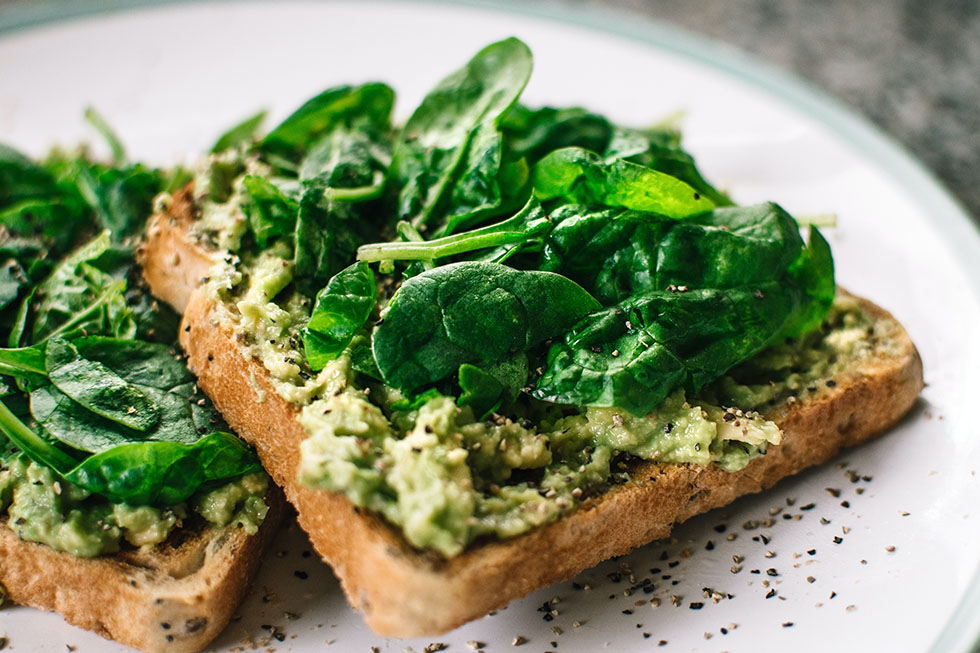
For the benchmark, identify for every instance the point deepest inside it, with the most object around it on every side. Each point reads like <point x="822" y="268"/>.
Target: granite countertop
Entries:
<point x="912" y="67"/>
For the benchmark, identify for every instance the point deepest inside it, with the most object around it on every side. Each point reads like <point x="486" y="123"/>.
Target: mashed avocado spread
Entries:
<point x="41" y="508"/>
<point x="446" y="477"/>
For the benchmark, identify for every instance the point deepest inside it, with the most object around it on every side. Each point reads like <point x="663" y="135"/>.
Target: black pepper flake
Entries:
<point x="809" y="506"/>
<point x="831" y="383"/>
<point x="788" y="624"/>
<point x="771" y="593"/>
<point x="662" y="642"/>
<point x="838" y="539"/>
<point x="169" y="638"/>
<point x="210" y="357"/>
<point x="755" y="571"/>
<point x="302" y="575"/>
<point x="187" y="328"/>
<point x="646" y="635"/>
<point x="165" y="625"/>
<point x="709" y="546"/>
<point x="845" y="504"/>
<point x="696" y="605"/>
<point x="673" y="564"/>
<point x="812" y="552"/>
<point x="627" y="611"/>
<point x="202" y="430"/>
<point x="771" y="572"/>
<point x="721" y="528"/>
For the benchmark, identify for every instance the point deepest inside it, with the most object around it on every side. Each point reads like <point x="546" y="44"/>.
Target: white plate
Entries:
<point x="170" y="78"/>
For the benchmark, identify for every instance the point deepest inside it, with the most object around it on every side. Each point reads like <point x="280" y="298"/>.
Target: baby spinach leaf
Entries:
<point x="472" y="312"/>
<point x="242" y="132"/>
<point x="533" y="133"/>
<point x="79" y="296"/>
<point x="341" y="308"/>
<point x="163" y="473"/>
<point x="151" y="369"/>
<point x="121" y="198"/>
<point x="95" y="119"/>
<point x="350" y="160"/>
<point x="452" y="136"/>
<point x="580" y="176"/>
<point x="328" y="234"/>
<point x="97" y="388"/>
<point x="330" y="108"/>
<point x="634" y="354"/>
<point x="21" y="178"/>
<point x="661" y="150"/>
<point x="480" y="390"/>
<point x="271" y="212"/>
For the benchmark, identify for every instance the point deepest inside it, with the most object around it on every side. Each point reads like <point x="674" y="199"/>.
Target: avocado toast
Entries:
<point x="124" y="503"/>
<point x="499" y="331"/>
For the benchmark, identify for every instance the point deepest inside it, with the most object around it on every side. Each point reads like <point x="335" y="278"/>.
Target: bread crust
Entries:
<point x="404" y="592"/>
<point x="176" y="596"/>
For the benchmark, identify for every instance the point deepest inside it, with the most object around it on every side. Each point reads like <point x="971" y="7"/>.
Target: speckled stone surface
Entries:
<point x="912" y="67"/>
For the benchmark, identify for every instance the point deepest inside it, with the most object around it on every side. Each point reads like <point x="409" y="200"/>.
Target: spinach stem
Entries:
<point x="357" y="194"/>
<point x="36" y="448"/>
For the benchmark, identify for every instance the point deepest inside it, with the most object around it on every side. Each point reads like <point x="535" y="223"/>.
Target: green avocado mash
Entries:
<point x="41" y="508"/>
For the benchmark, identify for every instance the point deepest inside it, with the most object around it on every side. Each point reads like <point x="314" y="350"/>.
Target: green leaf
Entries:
<point x="580" y="176"/>
<point x="478" y="313"/>
<point x="480" y="390"/>
<point x="163" y="473"/>
<point x="98" y="389"/>
<point x="240" y="133"/>
<point x="330" y="108"/>
<point x="533" y="133"/>
<point x="341" y="308"/>
<point x="21" y="178"/>
<point x="115" y="145"/>
<point x="271" y="212"/>
<point x="451" y="138"/>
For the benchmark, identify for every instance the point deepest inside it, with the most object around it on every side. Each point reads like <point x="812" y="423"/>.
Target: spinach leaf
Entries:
<point x="533" y="133"/>
<point x="152" y="370"/>
<point x="332" y="107"/>
<point x="101" y="126"/>
<point x="616" y="253"/>
<point x="660" y="149"/>
<point x="480" y="390"/>
<point x="25" y="363"/>
<point x="580" y="176"/>
<point x="21" y="178"/>
<point x="341" y="308"/>
<point x="350" y="161"/>
<point x="327" y="235"/>
<point x="452" y="137"/>
<point x="121" y="198"/>
<point x="97" y="388"/>
<point x="271" y="212"/>
<point x="472" y="312"/>
<point x="242" y="132"/>
<point x="79" y="296"/>
<point x="163" y="473"/>
<point x="634" y="354"/>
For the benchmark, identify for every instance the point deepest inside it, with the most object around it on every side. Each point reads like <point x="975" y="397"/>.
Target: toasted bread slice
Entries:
<point x="405" y="592"/>
<point x="176" y="596"/>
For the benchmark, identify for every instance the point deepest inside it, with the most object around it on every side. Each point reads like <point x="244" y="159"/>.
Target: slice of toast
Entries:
<point x="176" y="596"/>
<point x="405" y="592"/>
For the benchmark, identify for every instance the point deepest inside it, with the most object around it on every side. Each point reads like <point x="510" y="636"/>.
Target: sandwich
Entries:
<point x="125" y="503"/>
<point x="493" y="346"/>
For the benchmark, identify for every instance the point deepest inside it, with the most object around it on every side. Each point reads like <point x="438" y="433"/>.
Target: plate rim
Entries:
<point x="953" y="222"/>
